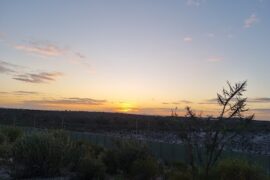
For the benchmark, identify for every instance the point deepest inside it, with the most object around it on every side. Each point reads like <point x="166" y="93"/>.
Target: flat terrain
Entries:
<point x="102" y="121"/>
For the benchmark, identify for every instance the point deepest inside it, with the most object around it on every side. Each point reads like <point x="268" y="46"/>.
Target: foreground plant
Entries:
<point x="40" y="155"/>
<point x="206" y="138"/>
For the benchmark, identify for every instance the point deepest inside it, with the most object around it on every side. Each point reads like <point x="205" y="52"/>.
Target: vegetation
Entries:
<point x="130" y="158"/>
<point x="237" y="169"/>
<point x="38" y="154"/>
<point x="55" y="154"/>
<point x="206" y="145"/>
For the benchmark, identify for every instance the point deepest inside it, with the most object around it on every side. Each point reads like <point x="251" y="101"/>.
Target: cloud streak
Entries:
<point x="25" y="93"/>
<point x="42" y="77"/>
<point x="43" y="49"/>
<point x="14" y="71"/>
<point x="259" y="100"/>
<point x="7" y="68"/>
<point x="249" y="22"/>
<point x="20" y="93"/>
<point x="177" y="102"/>
<point x="209" y="101"/>
<point x="67" y="101"/>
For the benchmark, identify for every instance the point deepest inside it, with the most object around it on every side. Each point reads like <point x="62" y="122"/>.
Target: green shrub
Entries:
<point x="91" y="168"/>
<point x="111" y="161"/>
<point x="178" y="171"/>
<point x="179" y="175"/>
<point x="5" y="153"/>
<point x="79" y="151"/>
<point x="236" y="169"/>
<point x="144" y="168"/>
<point x="12" y="133"/>
<point x="121" y="157"/>
<point x="2" y="138"/>
<point x="5" y="149"/>
<point x="39" y="154"/>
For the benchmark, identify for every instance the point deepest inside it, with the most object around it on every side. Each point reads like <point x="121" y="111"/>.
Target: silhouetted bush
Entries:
<point x="2" y="138"/>
<point x="236" y="169"/>
<point x="11" y="133"/>
<point x="5" y="154"/>
<point x="144" y="168"/>
<point x="40" y="154"/>
<point x="120" y="159"/>
<point x="7" y="137"/>
<point x="178" y="170"/>
<point x="91" y="168"/>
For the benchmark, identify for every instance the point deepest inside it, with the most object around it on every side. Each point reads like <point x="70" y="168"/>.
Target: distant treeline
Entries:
<point x="101" y="121"/>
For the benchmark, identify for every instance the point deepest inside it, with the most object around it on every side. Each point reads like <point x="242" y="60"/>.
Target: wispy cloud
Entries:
<point x="8" y="68"/>
<point x="249" y="100"/>
<point x="209" y="101"/>
<point x="80" y="59"/>
<point x="42" y="77"/>
<point x="188" y="39"/>
<point x="43" y="49"/>
<point x="79" y="55"/>
<point x="5" y="69"/>
<point x="20" y="93"/>
<point x="15" y="72"/>
<point x="25" y="93"/>
<point x="259" y="100"/>
<point x="177" y="102"/>
<point x="250" y="21"/>
<point x="194" y="2"/>
<point x="214" y="59"/>
<point x="67" y="101"/>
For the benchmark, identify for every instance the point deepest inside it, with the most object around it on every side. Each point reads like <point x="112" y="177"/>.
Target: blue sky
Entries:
<point x="132" y="55"/>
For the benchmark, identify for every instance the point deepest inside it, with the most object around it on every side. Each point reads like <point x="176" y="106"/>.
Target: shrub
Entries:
<point x="2" y="138"/>
<point x="179" y="175"/>
<point x="39" y="154"/>
<point x="12" y="133"/>
<point x="144" y="168"/>
<point x="5" y="153"/>
<point x="5" y="147"/>
<point x="79" y="151"/>
<point x="91" y="168"/>
<point x="236" y="169"/>
<point x="178" y="170"/>
<point x="121" y="157"/>
<point x="111" y="161"/>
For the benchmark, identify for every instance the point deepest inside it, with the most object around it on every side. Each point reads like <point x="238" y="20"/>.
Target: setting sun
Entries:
<point x="126" y="107"/>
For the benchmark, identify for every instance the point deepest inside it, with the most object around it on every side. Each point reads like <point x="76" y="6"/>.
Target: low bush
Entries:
<point x="80" y="151"/>
<point x="8" y="136"/>
<point x="2" y="138"/>
<point x="237" y="169"/>
<point x="178" y="171"/>
<point x="11" y="133"/>
<point x="144" y="168"/>
<point x="39" y="155"/>
<point x="91" y="168"/>
<point x="120" y="159"/>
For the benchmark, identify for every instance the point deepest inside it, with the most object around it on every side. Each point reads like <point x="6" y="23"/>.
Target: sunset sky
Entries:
<point x="133" y="56"/>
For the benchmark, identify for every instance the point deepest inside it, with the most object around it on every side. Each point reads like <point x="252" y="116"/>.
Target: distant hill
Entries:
<point x="100" y="121"/>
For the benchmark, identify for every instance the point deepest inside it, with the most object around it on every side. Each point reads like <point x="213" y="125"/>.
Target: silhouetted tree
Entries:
<point x="206" y="138"/>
